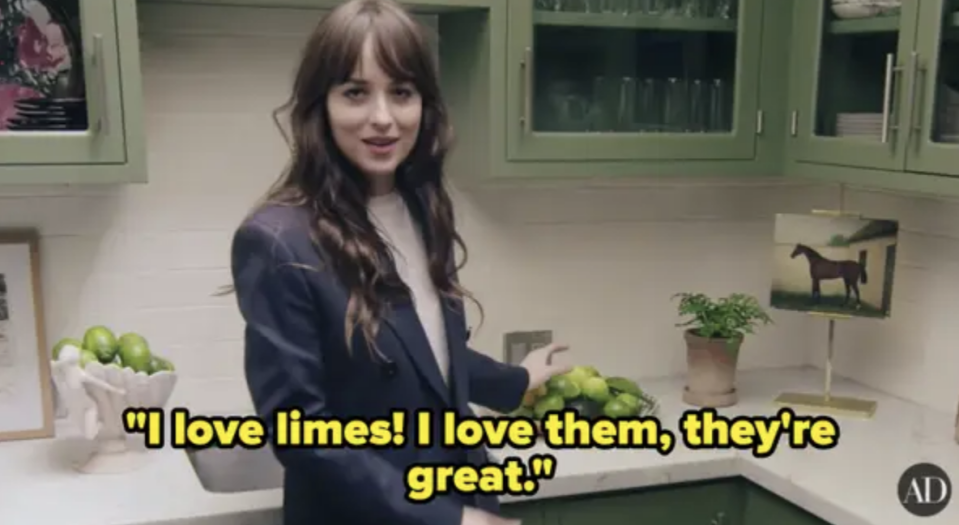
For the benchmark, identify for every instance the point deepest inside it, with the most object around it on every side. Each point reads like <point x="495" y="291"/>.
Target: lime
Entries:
<point x="630" y="400"/>
<point x="564" y="387"/>
<point x="590" y="371"/>
<point x="616" y="409"/>
<point x="159" y="364"/>
<point x="132" y="339"/>
<point x="586" y="408"/>
<point x="550" y="403"/>
<point x="623" y="385"/>
<point x="66" y="341"/>
<point x="101" y="341"/>
<point x="135" y="353"/>
<point x="595" y="389"/>
<point x="87" y="356"/>
<point x="578" y="374"/>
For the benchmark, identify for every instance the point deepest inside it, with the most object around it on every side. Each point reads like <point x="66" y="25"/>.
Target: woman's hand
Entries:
<point x="539" y="363"/>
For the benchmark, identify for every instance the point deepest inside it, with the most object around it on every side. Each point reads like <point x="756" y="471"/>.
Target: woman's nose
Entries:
<point x="381" y="113"/>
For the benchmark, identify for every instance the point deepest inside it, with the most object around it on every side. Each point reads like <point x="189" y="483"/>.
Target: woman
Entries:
<point x="346" y="279"/>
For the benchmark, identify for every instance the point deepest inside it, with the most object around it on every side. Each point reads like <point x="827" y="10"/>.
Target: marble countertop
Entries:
<point x="852" y="484"/>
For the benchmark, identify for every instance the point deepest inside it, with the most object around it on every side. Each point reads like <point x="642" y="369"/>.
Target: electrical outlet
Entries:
<point x="517" y="344"/>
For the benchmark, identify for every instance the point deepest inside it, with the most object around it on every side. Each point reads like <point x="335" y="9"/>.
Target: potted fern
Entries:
<point x="714" y="335"/>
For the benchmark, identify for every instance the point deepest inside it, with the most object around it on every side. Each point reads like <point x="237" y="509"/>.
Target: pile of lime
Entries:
<point x="101" y="345"/>
<point x="586" y="391"/>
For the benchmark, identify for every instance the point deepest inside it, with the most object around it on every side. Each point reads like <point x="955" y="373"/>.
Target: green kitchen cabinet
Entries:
<point x="848" y="105"/>
<point x="732" y="501"/>
<point x="765" y="508"/>
<point x="70" y="94"/>
<point x="529" y="513"/>
<point x="934" y="122"/>
<point x="519" y="79"/>
<point x="618" y="80"/>
<point x="717" y="502"/>
<point x="875" y="100"/>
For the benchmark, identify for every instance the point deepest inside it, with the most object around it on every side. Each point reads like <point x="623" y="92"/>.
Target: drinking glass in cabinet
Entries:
<point x="686" y="8"/>
<point x="649" y="74"/>
<point x="857" y="78"/>
<point x="41" y="66"/>
<point x="945" y="128"/>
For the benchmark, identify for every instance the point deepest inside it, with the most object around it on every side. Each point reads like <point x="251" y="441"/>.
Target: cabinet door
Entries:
<point x="531" y="513"/>
<point x="848" y="96"/>
<point x="60" y="100"/>
<point x="700" y="504"/>
<point x="765" y="508"/>
<point x="934" y="142"/>
<point x="633" y="79"/>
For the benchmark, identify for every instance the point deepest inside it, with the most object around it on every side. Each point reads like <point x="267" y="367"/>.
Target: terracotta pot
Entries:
<point x="711" y="373"/>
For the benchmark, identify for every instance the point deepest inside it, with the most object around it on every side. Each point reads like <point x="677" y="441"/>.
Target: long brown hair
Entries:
<point x="320" y="178"/>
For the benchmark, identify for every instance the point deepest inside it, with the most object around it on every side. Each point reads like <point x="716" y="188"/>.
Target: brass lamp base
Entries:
<point x="843" y="406"/>
<point x="825" y="402"/>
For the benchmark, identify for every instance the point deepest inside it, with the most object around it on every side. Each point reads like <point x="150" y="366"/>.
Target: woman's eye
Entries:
<point x="353" y="93"/>
<point x="403" y="93"/>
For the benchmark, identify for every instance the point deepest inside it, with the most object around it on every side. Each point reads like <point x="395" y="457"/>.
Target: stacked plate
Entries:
<point x="859" y="125"/>
<point x="949" y="116"/>
<point x="850" y="9"/>
<point x="37" y="114"/>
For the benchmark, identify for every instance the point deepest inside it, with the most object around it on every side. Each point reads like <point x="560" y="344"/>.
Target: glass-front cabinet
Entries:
<point x="876" y="84"/>
<point x="633" y="79"/>
<point x="935" y="147"/>
<point x="60" y="95"/>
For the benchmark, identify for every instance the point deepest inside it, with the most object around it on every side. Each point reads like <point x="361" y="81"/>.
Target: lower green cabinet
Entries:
<point x="532" y="513"/>
<point x="719" y="502"/>
<point x="765" y="508"/>
<point x="732" y="501"/>
<point x="711" y="503"/>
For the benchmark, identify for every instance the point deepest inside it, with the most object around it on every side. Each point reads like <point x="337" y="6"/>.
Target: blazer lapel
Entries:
<point x="455" y="320"/>
<point x="408" y="329"/>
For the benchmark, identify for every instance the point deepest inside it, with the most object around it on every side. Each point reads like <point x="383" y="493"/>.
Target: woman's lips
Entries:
<point x="381" y="146"/>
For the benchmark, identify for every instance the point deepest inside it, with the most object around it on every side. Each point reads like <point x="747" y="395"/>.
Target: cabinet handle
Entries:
<point x="914" y="71"/>
<point x="760" y="121"/>
<point x="527" y="118"/>
<point x="99" y="62"/>
<point x="919" y="72"/>
<point x="892" y="71"/>
<point x="794" y="123"/>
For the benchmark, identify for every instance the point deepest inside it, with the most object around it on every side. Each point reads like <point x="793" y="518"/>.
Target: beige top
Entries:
<point x="397" y="228"/>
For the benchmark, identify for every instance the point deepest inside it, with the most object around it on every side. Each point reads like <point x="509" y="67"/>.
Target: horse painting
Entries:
<point x="821" y="268"/>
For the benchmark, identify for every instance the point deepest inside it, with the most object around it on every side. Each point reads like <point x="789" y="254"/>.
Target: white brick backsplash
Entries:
<point x="597" y="265"/>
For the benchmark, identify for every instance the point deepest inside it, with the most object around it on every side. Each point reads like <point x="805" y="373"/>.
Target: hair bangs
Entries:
<point x="348" y="40"/>
<point x="399" y="50"/>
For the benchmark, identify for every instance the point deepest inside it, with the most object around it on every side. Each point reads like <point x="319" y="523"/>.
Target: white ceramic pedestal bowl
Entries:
<point x="97" y="396"/>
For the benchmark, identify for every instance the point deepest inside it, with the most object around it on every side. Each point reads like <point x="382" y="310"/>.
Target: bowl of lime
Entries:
<point x="97" y="379"/>
<point x="591" y="395"/>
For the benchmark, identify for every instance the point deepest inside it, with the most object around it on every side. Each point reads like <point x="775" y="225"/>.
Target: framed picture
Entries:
<point x="841" y="265"/>
<point x="26" y="392"/>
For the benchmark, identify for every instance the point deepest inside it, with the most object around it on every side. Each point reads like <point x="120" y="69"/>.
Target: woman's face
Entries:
<point x="374" y="120"/>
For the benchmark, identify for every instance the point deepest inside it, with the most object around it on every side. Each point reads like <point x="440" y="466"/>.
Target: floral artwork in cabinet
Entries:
<point x="41" y="72"/>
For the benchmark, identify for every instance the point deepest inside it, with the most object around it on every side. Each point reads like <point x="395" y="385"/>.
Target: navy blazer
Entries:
<point x="296" y="357"/>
